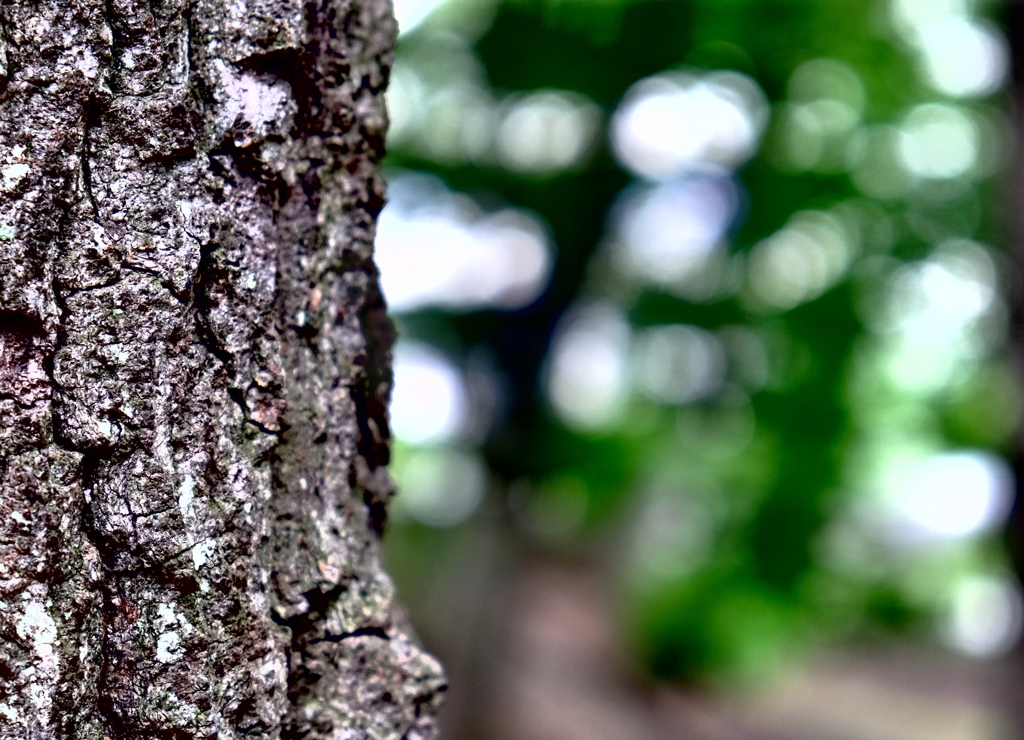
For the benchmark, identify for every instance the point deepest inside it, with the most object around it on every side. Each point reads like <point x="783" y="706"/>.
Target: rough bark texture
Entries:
<point x="194" y="368"/>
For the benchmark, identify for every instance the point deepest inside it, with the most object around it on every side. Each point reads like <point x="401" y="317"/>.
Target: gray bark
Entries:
<point x="194" y="370"/>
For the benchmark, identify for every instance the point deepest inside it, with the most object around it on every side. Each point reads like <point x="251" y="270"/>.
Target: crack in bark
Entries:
<point x="91" y="113"/>
<point x="378" y="632"/>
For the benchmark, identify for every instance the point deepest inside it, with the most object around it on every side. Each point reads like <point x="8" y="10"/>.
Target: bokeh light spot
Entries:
<point x="827" y="79"/>
<point x="877" y="170"/>
<point x="963" y="58"/>
<point x="678" y="364"/>
<point x="439" y="487"/>
<point x="586" y="375"/>
<point x="411" y="13"/>
<point x="939" y="298"/>
<point x="436" y="248"/>
<point x="406" y="98"/>
<point x="815" y="134"/>
<point x="955" y="495"/>
<point x="547" y="132"/>
<point x="986" y="616"/>
<point x="910" y="16"/>
<point x="933" y="312"/>
<point x="939" y="141"/>
<point x="668" y="125"/>
<point x="428" y="403"/>
<point x="668" y="231"/>
<point x="802" y="260"/>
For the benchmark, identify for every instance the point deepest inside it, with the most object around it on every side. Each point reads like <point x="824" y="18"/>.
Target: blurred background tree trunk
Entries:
<point x="194" y="370"/>
<point x="1014" y="193"/>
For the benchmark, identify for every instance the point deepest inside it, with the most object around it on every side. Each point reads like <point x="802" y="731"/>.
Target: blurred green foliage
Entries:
<point x="774" y="510"/>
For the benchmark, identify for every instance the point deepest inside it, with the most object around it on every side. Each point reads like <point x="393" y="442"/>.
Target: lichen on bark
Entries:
<point x="194" y="370"/>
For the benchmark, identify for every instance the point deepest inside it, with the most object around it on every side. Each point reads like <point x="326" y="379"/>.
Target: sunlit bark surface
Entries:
<point x="194" y="368"/>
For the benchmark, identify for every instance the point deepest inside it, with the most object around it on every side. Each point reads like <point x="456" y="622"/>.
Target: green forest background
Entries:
<point x="713" y="298"/>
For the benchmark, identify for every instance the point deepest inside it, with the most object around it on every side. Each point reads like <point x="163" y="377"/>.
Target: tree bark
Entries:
<point x="194" y="372"/>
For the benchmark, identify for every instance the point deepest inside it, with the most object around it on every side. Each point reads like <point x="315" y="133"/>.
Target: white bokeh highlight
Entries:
<point x="952" y="495"/>
<point x="547" y="132"/>
<point x="429" y="402"/>
<point x="963" y="58"/>
<point x="411" y="13"/>
<point x="959" y="56"/>
<point x="985" y="617"/>
<point x="939" y="142"/>
<point x="666" y="232"/>
<point x="443" y="109"/>
<point x="933" y="313"/>
<point x="436" y="248"/>
<point x="586" y="376"/>
<point x="671" y="124"/>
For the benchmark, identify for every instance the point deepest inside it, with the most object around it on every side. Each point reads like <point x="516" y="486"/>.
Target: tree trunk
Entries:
<point x="194" y="370"/>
